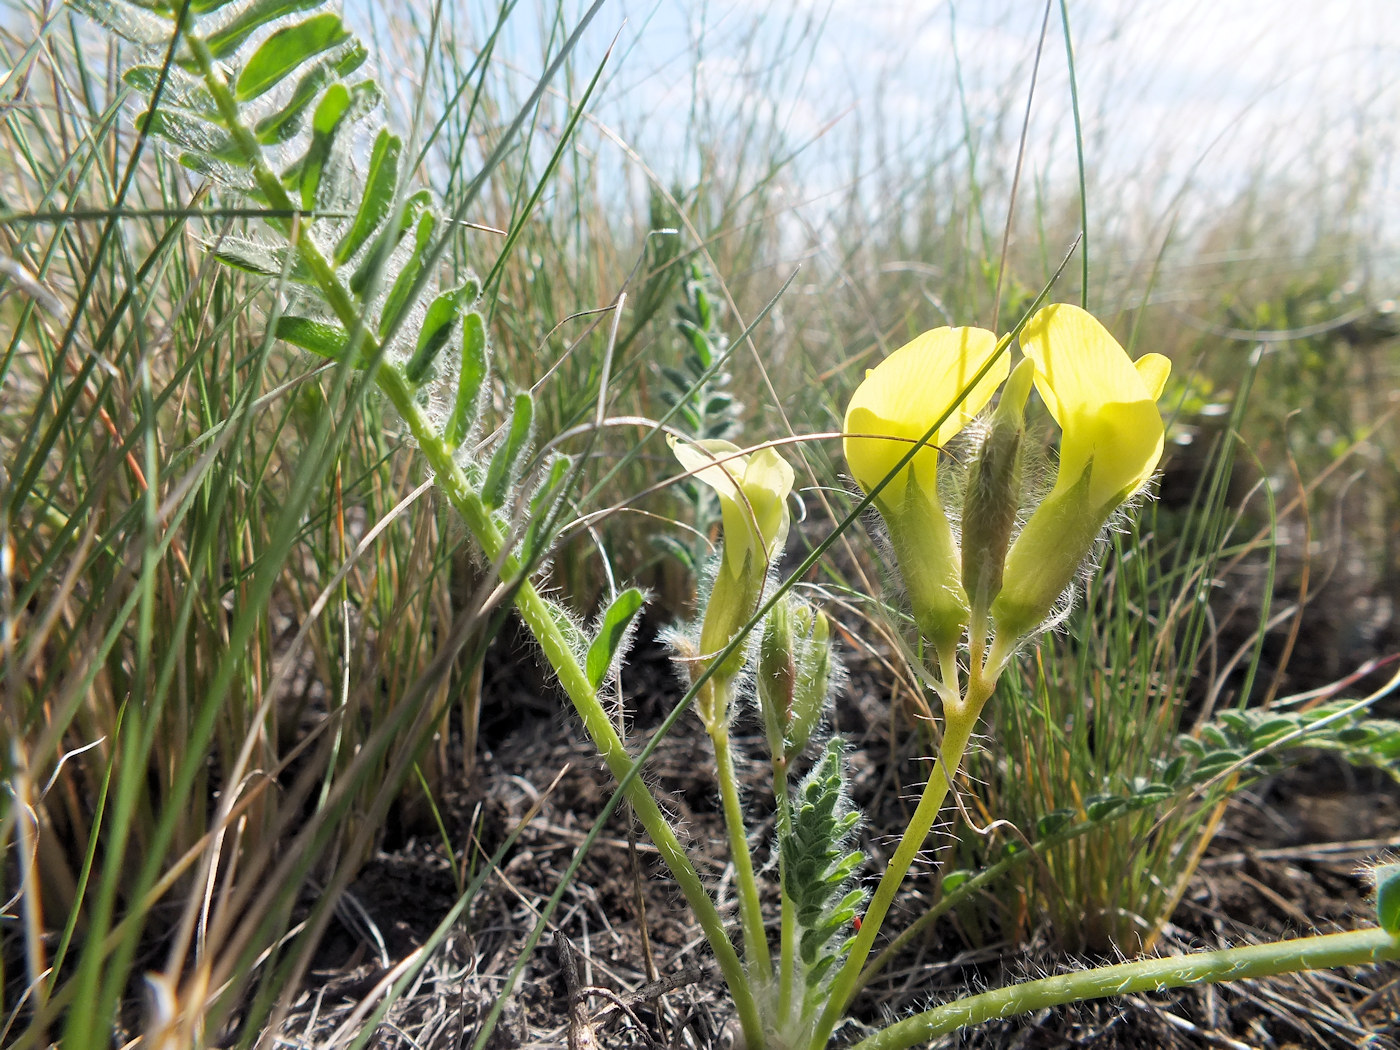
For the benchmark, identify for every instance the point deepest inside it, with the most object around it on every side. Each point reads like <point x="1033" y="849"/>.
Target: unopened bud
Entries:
<point x="812" y="648"/>
<point x="794" y="675"/>
<point x="777" y="676"/>
<point x="994" y="493"/>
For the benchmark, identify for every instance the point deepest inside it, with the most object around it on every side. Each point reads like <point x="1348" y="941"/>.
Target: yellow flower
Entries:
<point x="753" y="491"/>
<point x="1106" y="405"/>
<point x="899" y="402"/>
<point x="905" y="394"/>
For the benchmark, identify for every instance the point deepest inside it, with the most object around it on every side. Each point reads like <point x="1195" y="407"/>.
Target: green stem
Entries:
<point x="958" y="723"/>
<point x="750" y="909"/>
<point x="532" y="607"/>
<point x="1354" y="948"/>
<point x="539" y="619"/>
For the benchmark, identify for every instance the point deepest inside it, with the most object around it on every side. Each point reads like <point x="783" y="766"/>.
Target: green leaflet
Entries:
<point x="323" y="338"/>
<point x="470" y="379"/>
<point x="339" y="107"/>
<point x="285" y="50"/>
<point x="329" y="111"/>
<point x="438" y="326"/>
<point x="544" y="506"/>
<point x="398" y="295"/>
<point x="1388" y="897"/>
<point x="505" y="464"/>
<point x="286" y="122"/>
<point x="183" y="90"/>
<point x="227" y="40"/>
<point x="380" y="185"/>
<point x="130" y="21"/>
<point x="612" y="632"/>
<point x="190" y="132"/>
<point x="818" y="864"/>
<point x="954" y="879"/>
<point x="260" y="259"/>
<point x="416" y="209"/>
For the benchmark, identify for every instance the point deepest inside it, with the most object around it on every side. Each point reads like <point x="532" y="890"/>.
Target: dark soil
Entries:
<point x="1290" y="858"/>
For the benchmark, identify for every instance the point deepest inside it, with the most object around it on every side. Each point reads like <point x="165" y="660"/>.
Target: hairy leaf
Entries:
<point x="287" y="121"/>
<point x="617" y="620"/>
<point x="505" y="464"/>
<point x="398" y="296"/>
<point x="380" y="185"/>
<point x="180" y="89"/>
<point x="228" y="39"/>
<point x="263" y="260"/>
<point x="438" y="326"/>
<point x="818" y="864"/>
<point x="285" y="50"/>
<point x="339" y="107"/>
<point x="192" y="133"/>
<point x="470" y="379"/>
<point x="541" y="527"/>
<point x="1388" y="897"/>
<point x="130" y="21"/>
<point x="320" y="337"/>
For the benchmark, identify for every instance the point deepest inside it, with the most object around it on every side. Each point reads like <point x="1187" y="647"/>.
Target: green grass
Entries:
<point x="232" y="646"/>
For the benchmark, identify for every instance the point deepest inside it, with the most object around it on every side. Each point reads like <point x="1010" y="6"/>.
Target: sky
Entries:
<point x="1183" y="102"/>
<point x="1205" y="85"/>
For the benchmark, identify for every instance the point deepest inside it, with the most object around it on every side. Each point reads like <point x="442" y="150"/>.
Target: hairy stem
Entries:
<point x="1353" y="948"/>
<point x="542" y="624"/>
<point x="787" y="937"/>
<point x="750" y="910"/>
<point x="464" y="498"/>
<point x="958" y="723"/>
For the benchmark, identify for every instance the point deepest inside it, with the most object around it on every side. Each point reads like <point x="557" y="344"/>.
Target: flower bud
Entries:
<point x="1045" y="559"/>
<point x="777" y="676"/>
<point x="794" y="675"/>
<point x="994" y="492"/>
<point x="814" y="668"/>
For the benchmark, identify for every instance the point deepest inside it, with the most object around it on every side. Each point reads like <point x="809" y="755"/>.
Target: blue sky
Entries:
<point x="1187" y="84"/>
<point x="1184" y="101"/>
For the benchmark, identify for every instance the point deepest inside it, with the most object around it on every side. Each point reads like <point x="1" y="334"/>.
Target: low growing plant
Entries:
<point x="265" y="98"/>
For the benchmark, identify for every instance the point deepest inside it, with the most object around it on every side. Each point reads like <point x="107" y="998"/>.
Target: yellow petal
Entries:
<point x="903" y="396"/>
<point x="1106" y="406"/>
<point x="1154" y="369"/>
<point x="753" y="491"/>
<point x="767" y="481"/>
<point x="714" y="462"/>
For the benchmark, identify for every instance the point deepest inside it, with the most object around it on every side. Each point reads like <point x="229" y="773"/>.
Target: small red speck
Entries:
<point x="856" y="923"/>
